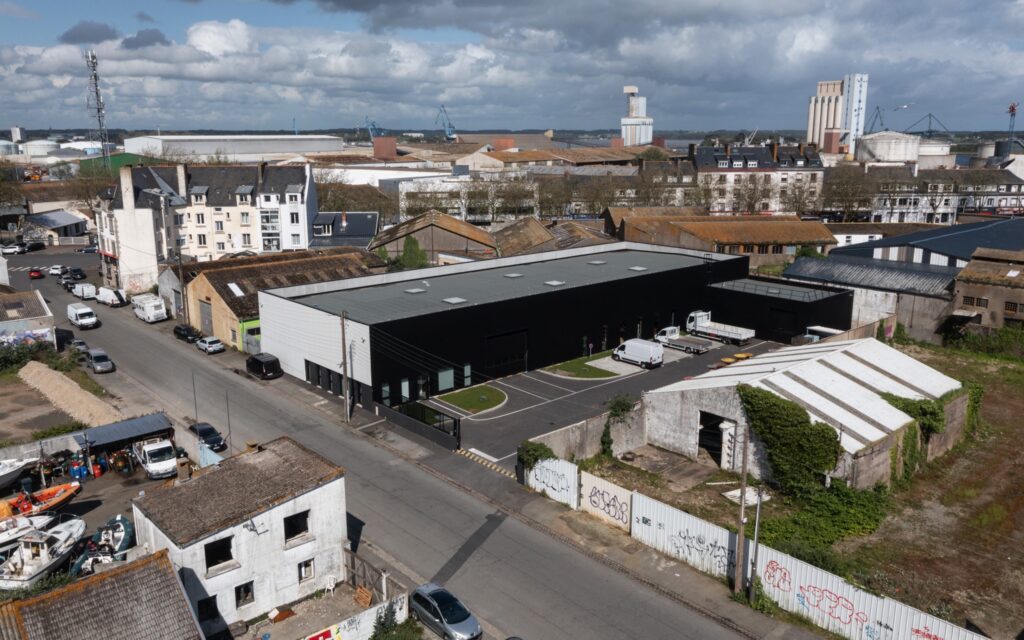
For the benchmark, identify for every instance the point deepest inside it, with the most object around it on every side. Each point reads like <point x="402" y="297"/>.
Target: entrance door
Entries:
<point x="205" y="318"/>
<point x="710" y="436"/>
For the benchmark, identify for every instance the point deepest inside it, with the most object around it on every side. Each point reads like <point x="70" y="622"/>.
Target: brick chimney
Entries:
<point x="344" y="219"/>
<point x="127" y="188"/>
<point x="775" y="151"/>
<point x="259" y="174"/>
<point x="728" y="150"/>
<point x="692" y="152"/>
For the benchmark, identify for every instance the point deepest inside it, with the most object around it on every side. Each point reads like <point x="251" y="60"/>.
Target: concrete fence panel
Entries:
<point x="675" y="533"/>
<point x="834" y="604"/>
<point x="559" y="479"/>
<point x="607" y="501"/>
<point x="360" y="626"/>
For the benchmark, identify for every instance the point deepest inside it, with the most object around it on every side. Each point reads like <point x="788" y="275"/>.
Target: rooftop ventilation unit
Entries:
<point x="454" y="300"/>
<point x="555" y="283"/>
<point x="415" y="290"/>
<point x="1013" y="273"/>
<point x="513" y="275"/>
<point x="638" y="268"/>
<point x="236" y="290"/>
<point x="597" y="262"/>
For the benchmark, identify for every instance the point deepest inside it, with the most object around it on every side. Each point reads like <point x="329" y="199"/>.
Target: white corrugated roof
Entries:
<point x="838" y="383"/>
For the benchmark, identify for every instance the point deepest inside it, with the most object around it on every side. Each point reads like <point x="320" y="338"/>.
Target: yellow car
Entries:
<point x="742" y="356"/>
<point x="728" y="360"/>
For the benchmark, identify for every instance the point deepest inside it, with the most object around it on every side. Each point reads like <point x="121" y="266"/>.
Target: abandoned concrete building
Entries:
<point x="837" y="383"/>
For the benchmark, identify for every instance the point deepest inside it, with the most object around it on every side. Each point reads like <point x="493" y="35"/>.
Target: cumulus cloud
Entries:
<point x="16" y="11"/>
<point x="88" y="32"/>
<point x="142" y="16"/>
<point x="145" y="38"/>
<point x="702" y="64"/>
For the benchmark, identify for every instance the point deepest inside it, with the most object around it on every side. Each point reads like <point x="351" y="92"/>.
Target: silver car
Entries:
<point x="209" y="345"/>
<point x="442" y="613"/>
<point x="99" y="361"/>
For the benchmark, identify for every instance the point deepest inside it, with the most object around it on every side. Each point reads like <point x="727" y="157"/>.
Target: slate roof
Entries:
<point x="140" y="599"/>
<point x="278" y="179"/>
<point x="236" y="489"/>
<point x="358" y="230"/>
<point x="250" y="280"/>
<point x="221" y="183"/>
<point x="706" y="158"/>
<point x="959" y="241"/>
<point x="437" y="219"/>
<point x="838" y="383"/>
<point x="868" y="273"/>
<point x="146" y="188"/>
<point x="55" y="219"/>
<point x="21" y="305"/>
<point x="883" y="229"/>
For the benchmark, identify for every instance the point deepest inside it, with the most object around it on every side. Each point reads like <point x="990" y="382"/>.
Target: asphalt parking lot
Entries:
<point x="539" y="402"/>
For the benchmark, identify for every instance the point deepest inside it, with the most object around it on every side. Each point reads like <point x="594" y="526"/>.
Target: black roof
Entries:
<point x="147" y="188"/>
<point x="277" y="179"/>
<point x="959" y="241"/>
<point x="220" y="184"/>
<point x="868" y="273"/>
<point x="359" y="229"/>
<point x="788" y="157"/>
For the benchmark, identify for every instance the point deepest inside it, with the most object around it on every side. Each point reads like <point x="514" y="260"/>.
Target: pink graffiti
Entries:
<point x="778" y="576"/>
<point x="925" y="633"/>
<point x="834" y="606"/>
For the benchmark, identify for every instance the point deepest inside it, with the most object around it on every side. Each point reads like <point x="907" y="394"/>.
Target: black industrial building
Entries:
<point x="414" y="334"/>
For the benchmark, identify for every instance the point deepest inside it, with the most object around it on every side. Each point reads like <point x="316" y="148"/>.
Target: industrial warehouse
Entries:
<point x="411" y="335"/>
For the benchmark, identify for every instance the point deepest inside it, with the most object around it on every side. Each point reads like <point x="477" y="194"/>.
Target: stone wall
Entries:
<point x="873" y="465"/>
<point x="956" y="420"/>
<point x="583" y="439"/>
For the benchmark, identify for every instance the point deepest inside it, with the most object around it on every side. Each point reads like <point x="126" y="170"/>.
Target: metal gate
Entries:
<point x="251" y="343"/>
<point x="205" y="318"/>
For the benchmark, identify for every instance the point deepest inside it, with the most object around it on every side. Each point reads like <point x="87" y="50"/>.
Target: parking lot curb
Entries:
<point x="487" y="463"/>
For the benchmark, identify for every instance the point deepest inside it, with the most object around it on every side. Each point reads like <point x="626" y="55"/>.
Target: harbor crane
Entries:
<point x="446" y="123"/>
<point x="372" y="128"/>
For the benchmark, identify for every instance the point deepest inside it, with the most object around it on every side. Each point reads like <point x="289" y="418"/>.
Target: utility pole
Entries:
<point x="737" y="583"/>
<point x="227" y="407"/>
<point x="181" y="283"/>
<point x="753" y="561"/>
<point x="344" y="367"/>
<point x="195" y="398"/>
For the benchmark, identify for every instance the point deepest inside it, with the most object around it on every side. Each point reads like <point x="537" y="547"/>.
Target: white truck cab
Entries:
<point x="645" y="353"/>
<point x="157" y="456"/>
<point x="80" y="315"/>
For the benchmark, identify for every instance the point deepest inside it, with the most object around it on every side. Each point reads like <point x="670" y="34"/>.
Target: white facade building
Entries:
<point x="201" y="213"/>
<point x="233" y="148"/>
<point x="259" y="530"/>
<point x="855" y="99"/>
<point x="637" y="127"/>
<point x="841" y="105"/>
<point x="17" y="134"/>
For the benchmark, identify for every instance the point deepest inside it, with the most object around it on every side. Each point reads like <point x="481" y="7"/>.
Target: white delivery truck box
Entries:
<point x="111" y="297"/>
<point x="644" y="353"/>
<point x="149" y="307"/>
<point x="80" y="315"/>
<point x="84" y="290"/>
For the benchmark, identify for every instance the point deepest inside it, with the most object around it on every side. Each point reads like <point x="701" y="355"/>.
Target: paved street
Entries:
<point x="518" y="580"/>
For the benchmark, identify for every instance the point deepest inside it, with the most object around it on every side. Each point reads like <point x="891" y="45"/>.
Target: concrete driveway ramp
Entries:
<point x="616" y="367"/>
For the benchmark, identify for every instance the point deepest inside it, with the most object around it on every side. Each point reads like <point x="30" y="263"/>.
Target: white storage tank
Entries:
<point x="39" y="147"/>
<point x="888" y="146"/>
<point x="8" y="148"/>
<point x="935" y="147"/>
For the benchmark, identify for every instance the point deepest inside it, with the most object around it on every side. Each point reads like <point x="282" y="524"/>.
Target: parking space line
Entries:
<point x="367" y="426"/>
<point x="506" y="457"/>
<point x="526" y="375"/>
<point x="505" y="384"/>
<point x="447" y="406"/>
<point x="482" y="455"/>
<point x="511" y="413"/>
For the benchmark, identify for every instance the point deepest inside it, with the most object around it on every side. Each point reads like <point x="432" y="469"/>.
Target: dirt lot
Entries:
<point x="24" y="410"/>
<point x="953" y="541"/>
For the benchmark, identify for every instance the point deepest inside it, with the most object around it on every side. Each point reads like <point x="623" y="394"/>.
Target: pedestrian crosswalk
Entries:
<point x="19" y="268"/>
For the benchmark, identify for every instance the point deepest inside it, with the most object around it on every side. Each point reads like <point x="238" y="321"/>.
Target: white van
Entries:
<point x="644" y="353"/>
<point x="111" y="297"/>
<point x="84" y="290"/>
<point x="149" y="307"/>
<point x="80" y="315"/>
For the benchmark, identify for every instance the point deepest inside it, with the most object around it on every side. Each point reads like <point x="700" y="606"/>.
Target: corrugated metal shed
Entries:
<point x="868" y="273"/>
<point x="838" y="383"/>
<point x="126" y="430"/>
<point x="959" y="241"/>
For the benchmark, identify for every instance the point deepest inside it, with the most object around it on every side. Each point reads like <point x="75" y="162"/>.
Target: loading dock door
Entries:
<point x="205" y="318"/>
<point x="506" y="353"/>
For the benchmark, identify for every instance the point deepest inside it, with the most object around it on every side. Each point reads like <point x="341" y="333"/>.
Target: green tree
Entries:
<point x="653" y="153"/>
<point x="10" y="191"/>
<point x="413" y="257"/>
<point x="848" y="190"/>
<point x="554" y="195"/>
<point x="800" y="197"/>
<point x="751" y="193"/>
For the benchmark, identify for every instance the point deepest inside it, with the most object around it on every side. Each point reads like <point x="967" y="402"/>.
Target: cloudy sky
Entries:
<point x="702" y="64"/>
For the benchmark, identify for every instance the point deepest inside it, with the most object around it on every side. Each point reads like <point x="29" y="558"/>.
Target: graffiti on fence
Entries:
<point x="687" y="544"/>
<point x="875" y="631"/>
<point x="610" y="505"/>
<point x="778" y="576"/>
<point x="833" y="605"/>
<point x="550" y="480"/>
<point x="925" y="634"/>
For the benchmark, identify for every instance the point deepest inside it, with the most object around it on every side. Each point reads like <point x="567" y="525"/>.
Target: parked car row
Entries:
<point x="22" y="247"/>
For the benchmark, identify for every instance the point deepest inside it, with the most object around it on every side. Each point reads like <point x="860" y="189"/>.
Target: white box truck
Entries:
<point x="149" y="307"/>
<point x="674" y="338"/>
<point x="699" y="323"/>
<point x="645" y="353"/>
<point x="80" y="315"/>
<point x="157" y="456"/>
<point x="84" y="290"/>
<point x="111" y="297"/>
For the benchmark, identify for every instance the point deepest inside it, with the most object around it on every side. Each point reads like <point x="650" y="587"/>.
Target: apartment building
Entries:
<point x="770" y="179"/>
<point x="161" y="214"/>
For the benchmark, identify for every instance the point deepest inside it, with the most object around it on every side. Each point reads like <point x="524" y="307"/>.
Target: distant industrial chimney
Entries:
<point x="637" y="127"/>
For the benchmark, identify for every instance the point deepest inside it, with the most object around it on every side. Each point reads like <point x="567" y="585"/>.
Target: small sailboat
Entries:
<point x="110" y="543"/>
<point x="39" y="554"/>
<point x="12" y="528"/>
<point x="10" y="469"/>
<point x="49" y="499"/>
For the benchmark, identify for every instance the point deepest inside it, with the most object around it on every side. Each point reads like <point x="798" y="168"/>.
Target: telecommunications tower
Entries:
<point x="94" y="105"/>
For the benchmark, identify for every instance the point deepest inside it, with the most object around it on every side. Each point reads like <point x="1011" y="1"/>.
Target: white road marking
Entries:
<point x="511" y="413"/>
<point x="320" y="404"/>
<point x="482" y="455"/>
<point x="447" y="406"/>
<point x="367" y="426"/>
<point x="506" y="457"/>
<point x="505" y="384"/>
<point x="545" y="382"/>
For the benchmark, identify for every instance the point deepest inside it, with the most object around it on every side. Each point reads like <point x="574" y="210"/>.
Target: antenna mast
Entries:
<point x="94" y="105"/>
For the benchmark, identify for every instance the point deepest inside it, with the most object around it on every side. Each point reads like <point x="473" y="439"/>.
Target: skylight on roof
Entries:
<point x="597" y="262"/>
<point x="415" y="290"/>
<point x="1013" y="273"/>
<point x="235" y="290"/>
<point x="637" y="268"/>
<point x="513" y="275"/>
<point x="555" y="283"/>
<point x="454" y="300"/>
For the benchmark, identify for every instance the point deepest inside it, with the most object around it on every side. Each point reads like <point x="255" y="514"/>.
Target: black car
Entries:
<point x="66" y="281"/>
<point x="187" y="333"/>
<point x="35" y="246"/>
<point x="208" y="436"/>
<point x="77" y="273"/>
<point x="90" y="249"/>
<point x="264" y="366"/>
